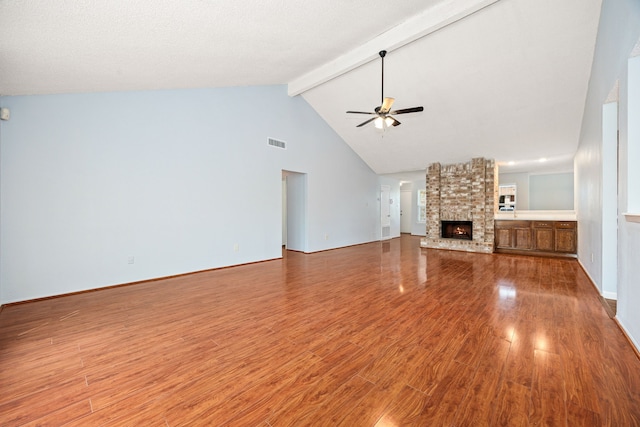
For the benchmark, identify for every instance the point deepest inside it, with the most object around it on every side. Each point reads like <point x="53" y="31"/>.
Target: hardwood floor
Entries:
<point x="381" y="334"/>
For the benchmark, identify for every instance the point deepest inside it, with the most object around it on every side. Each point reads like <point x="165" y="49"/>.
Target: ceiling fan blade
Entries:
<point x="395" y="122"/>
<point x="386" y="105"/>
<point x="359" y="112"/>
<point x="368" y="121"/>
<point x="407" y="110"/>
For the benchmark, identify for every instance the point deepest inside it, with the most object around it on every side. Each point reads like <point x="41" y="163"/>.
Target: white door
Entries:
<point x="385" y="212"/>
<point x="406" y="211"/>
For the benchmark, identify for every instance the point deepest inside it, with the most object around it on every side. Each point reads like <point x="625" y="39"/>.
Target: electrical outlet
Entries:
<point x="236" y="248"/>
<point x="326" y="236"/>
<point x="131" y="260"/>
<point x="591" y="256"/>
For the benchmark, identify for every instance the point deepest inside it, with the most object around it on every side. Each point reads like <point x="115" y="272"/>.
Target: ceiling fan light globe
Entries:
<point x="379" y="123"/>
<point x="388" y="121"/>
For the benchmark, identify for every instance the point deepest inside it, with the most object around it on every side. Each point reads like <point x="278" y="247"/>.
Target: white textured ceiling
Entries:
<point x="62" y="46"/>
<point x="508" y="81"/>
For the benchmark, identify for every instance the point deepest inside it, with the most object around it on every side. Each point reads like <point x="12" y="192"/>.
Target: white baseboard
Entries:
<point x="604" y="294"/>
<point x="593" y="282"/>
<point x="629" y="336"/>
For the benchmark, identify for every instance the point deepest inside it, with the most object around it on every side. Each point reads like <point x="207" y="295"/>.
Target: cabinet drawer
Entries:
<point x="543" y="224"/>
<point x="565" y="224"/>
<point x="508" y="223"/>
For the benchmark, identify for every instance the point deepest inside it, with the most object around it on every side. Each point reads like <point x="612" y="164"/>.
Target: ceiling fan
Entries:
<point x="383" y="112"/>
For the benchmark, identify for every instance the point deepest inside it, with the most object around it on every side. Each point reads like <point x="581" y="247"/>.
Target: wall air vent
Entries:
<point x="276" y="143"/>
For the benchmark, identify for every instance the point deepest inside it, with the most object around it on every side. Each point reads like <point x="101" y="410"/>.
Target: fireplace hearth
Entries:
<point x="462" y="230"/>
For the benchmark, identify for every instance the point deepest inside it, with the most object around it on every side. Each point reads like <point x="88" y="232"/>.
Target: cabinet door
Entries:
<point x="522" y="238"/>
<point x="566" y="240"/>
<point x="503" y="238"/>
<point x="544" y="239"/>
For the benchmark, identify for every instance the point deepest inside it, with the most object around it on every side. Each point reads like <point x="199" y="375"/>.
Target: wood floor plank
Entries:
<point x="548" y="396"/>
<point x="64" y="415"/>
<point x="494" y="354"/>
<point x="407" y="409"/>
<point x="477" y="409"/>
<point x="512" y="405"/>
<point x="428" y="375"/>
<point x="446" y="398"/>
<point x="472" y="347"/>
<point x="371" y="407"/>
<point x="258" y="402"/>
<point x="520" y="360"/>
<point x="339" y="404"/>
<point x="380" y="333"/>
<point x="342" y="366"/>
<point x="577" y="416"/>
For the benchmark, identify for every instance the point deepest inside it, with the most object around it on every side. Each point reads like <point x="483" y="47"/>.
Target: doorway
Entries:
<point x="385" y="212"/>
<point x="294" y="211"/>
<point x="406" y="211"/>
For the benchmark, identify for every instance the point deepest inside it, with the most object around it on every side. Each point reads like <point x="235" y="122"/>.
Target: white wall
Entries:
<point x="618" y="32"/>
<point x="175" y="179"/>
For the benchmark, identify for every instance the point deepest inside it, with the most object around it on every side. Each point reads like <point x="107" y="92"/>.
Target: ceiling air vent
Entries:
<point x="276" y="143"/>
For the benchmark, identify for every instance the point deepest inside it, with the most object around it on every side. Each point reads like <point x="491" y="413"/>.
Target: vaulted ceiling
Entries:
<point x="503" y="79"/>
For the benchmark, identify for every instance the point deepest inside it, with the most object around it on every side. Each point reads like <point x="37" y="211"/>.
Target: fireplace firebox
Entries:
<point x="462" y="230"/>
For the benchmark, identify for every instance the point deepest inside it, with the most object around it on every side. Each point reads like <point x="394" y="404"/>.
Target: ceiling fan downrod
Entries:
<point x="382" y="54"/>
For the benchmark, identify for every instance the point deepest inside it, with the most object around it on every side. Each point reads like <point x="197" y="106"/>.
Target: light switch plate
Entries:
<point x="4" y="114"/>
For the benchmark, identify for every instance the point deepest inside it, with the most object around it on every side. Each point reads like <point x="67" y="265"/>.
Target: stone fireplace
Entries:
<point x="460" y="206"/>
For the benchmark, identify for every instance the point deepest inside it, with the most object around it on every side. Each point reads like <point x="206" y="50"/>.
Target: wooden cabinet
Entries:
<point x="522" y="238"/>
<point x="544" y="236"/>
<point x="566" y="240"/>
<point x="536" y="237"/>
<point x="504" y="237"/>
<point x="513" y="235"/>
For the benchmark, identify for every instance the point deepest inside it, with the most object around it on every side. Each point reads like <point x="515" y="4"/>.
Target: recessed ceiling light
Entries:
<point x="543" y="159"/>
<point x="511" y="163"/>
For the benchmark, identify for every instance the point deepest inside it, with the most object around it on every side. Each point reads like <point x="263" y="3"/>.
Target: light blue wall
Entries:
<point x="618" y="32"/>
<point x="174" y="178"/>
<point x="551" y="191"/>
